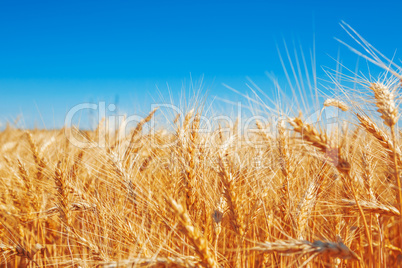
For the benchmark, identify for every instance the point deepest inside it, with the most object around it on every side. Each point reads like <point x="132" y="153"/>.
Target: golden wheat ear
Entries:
<point x="38" y="158"/>
<point x="336" y="103"/>
<point x="324" y="248"/>
<point x="10" y="251"/>
<point x="199" y="242"/>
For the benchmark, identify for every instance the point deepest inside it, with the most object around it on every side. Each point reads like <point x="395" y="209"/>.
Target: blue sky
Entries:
<point x="56" y="54"/>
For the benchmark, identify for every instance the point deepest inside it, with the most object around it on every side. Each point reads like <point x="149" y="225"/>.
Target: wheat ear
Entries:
<point x="62" y="194"/>
<point x="137" y="131"/>
<point x="336" y="103"/>
<point x="230" y="195"/>
<point x="190" y="167"/>
<point x="199" y="242"/>
<point x="25" y="176"/>
<point x="373" y="207"/>
<point x="151" y="262"/>
<point x="39" y="160"/>
<point x="331" y="249"/>
<point x="380" y="136"/>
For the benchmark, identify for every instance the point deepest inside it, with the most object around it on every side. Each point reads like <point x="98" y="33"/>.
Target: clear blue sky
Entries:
<point x="55" y="54"/>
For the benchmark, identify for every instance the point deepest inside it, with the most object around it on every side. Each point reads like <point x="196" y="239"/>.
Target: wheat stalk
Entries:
<point x="385" y="102"/>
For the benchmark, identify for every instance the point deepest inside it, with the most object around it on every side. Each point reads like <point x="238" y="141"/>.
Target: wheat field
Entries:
<point x="316" y="198"/>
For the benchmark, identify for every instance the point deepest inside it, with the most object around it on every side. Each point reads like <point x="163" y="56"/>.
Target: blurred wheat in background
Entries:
<point x="317" y="198"/>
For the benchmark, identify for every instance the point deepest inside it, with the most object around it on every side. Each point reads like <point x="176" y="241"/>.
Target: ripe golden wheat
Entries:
<point x="317" y="198"/>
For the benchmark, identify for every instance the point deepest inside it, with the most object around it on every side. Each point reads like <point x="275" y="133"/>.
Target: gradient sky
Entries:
<point x="56" y="54"/>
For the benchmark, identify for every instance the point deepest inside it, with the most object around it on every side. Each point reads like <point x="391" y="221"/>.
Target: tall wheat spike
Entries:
<point x="385" y="102"/>
<point x="199" y="242"/>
